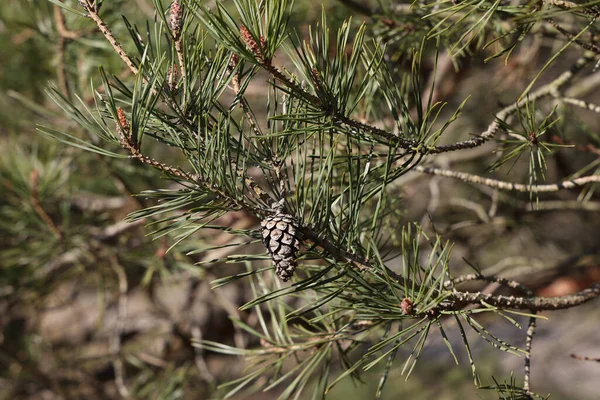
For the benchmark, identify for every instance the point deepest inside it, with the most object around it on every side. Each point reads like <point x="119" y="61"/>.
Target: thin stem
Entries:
<point x="115" y="343"/>
<point x="528" y="344"/>
<point x="37" y="205"/>
<point x="478" y="277"/>
<point x="93" y="14"/>
<point x="533" y="303"/>
<point x="509" y="186"/>
<point x="585" y="358"/>
<point x="581" y="104"/>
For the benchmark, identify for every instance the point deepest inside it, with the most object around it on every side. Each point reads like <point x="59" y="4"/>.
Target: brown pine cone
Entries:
<point x="279" y="237"/>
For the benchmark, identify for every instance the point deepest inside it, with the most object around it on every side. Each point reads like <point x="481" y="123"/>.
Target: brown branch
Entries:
<point x="176" y="25"/>
<point x="34" y="176"/>
<point x="130" y="143"/>
<point x="61" y="69"/>
<point x="358" y="7"/>
<point x="61" y="25"/>
<point x="573" y="38"/>
<point x="64" y="35"/>
<point x="585" y="358"/>
<point x="533" y="303"/>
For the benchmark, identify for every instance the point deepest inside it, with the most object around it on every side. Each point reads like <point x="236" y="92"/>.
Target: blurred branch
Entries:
<point x="115" y="343"/>
<point x="358" y="7"/>
<point x="585" y="358"/>
<point x="37" y="205"/>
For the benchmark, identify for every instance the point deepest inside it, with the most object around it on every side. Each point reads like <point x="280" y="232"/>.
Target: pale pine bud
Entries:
<point x="175" y="18"/>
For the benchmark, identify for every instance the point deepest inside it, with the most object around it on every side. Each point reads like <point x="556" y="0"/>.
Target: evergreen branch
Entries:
<point x="128" y="143"/>
<point x="336" y="116"/>
<point x="546" y="90"/>
<point x="509" y="186"/>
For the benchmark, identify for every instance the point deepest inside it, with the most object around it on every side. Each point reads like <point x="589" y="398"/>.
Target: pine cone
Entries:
<point x="279" y="237"/>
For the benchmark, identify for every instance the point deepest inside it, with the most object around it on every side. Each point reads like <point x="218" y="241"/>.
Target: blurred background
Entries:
<point x="92" y="308"/>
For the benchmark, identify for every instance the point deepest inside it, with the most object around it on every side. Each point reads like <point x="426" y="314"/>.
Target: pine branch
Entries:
<point x="92" y="12"/>
<point x="509" y="186"/>
<point x="527" y="303"/>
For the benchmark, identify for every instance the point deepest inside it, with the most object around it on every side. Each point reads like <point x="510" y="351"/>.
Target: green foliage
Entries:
<point x="342" y="116"/>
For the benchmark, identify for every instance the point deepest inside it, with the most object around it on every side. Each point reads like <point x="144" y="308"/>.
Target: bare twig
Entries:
<point x="533" y="303"/>
<point x="585" y="358"/>
<point x="478" y="277"/>
<point x="586" y="45"/>
<point x="509" y="186"/>
<point x="581" y="104"/>
<point x="115" y="343"/>
<point x="528" y="344"/>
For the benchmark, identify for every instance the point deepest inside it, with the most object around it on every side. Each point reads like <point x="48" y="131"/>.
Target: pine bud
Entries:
<point x="316" y="78"/>
<point x="122" y="120"/>
<point x="406" y="306"/>
<point x="175" y="18"/>
<point x="279" y="237"/>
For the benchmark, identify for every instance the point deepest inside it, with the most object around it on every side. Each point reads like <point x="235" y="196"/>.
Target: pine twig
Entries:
<point x="129" y="143"/>
<point x="509" y="186"/>
<point x="533" y="303"/>
<point x="528" y="344"/>
<point x="585" y="358"/>
<point x="92" y="13"/>
<point x="478" y="277"/>
<point x="176" y="25"/>
<point x="581" y="104"/>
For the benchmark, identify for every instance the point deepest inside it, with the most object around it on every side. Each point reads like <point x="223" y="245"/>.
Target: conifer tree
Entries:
<point x="346" y="114"/>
